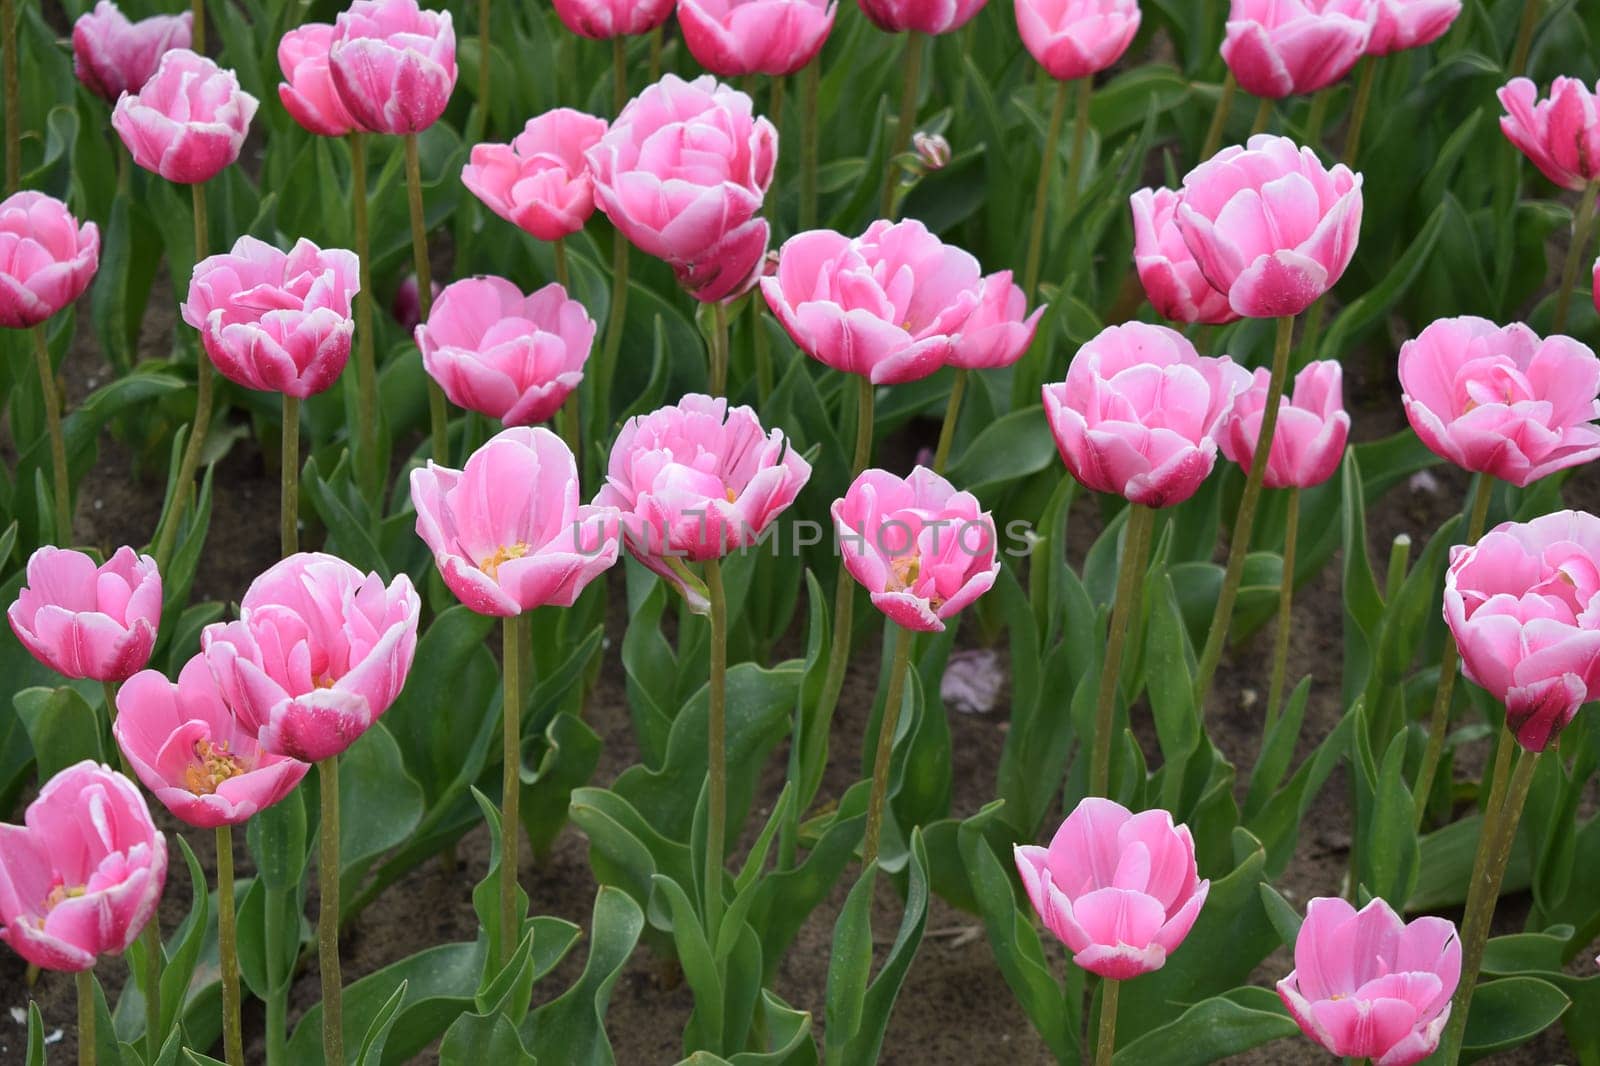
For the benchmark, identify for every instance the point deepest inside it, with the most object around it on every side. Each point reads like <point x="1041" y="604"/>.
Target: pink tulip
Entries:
<point x="602" y="20"/>
<point x="318" y="653"/>
<point x="188" y="749"/>
<point x="682" y="173"/>
<point x="896" y="304"/>
<point x="1139" y="413"/>
<point x="539" y="181"/>
<point x="1077" y="38"/>
<point x="46" y="258"/>
<point x="406" y="307"/>
<point x="1119" y="889"/>
<point x="188" y="121"/>
<point x="507" y="532"/>
<point x="1561" y="134"/>
<point x="503" y="354"/>
<point x="1172" y="279"/>
<point x="931" y="149"/>
<point x="1403" y="24"/>
<point x="276" y="321"/>
<point x="1312" y="427"/>
<point x="1367" y="985"/>
<point x="1277" y="48"/>
<point x="393" y="64"/>
<point x="112" y="55"/>
<point x="88" y="621"/>
<point x="732" y="38"/>
<point x="920" y="16"/>
<point x="1271" y="226"/>
<point x="698" y="480"/>
<point x="82" y="876"/>
<point x="1499" y="401"/>
<point x="307" y="90"/>
<point x="923" y="550"/>
<point x="1522" y="606"/>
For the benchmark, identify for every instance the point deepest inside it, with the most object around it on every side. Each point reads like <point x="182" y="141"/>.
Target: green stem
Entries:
<point x="570" y="417"/>
<point x="655" y="54"/>
<point x="1358" y="112"/>
<point x="1244" y="523"/>
<point x="190" y="464"/>
<point x="277" y="1002"/>
<point x="438" y="416"/>
<point x="1439" y="720"/>
<point x="1263" y="116"/>
<point x="1080" y="140"/>
<point x="952" y="413"/>
<point x="908" y="117"/>
<point x="618" y="313"/>
<point x="289" y="498"/>
<point x="775" y="102"/>
<point x="153" y="1034"/>
<point x="1135" y="546"/>
<point x="1317" y="117"/>
<point x="13" y="43"/>
<point x="228" y="949"/>
<point x="716" y="750"/>
<point x="563" y="278"/>
<point x="328" y="914"/>
<point x="1280" y="647"/>
<point x="763" y="350"/>
<point x="86" y="1040"/>
<point x="1531" y="10"/>
<point x="510" y="784"/>
<point x="810" y="89"/>
<point x="197" y="36"/>
<point x="1106" y="1042"/>
<point x="368" y="472"/>
<point x="1488" y="871"/>
<point x="483" y="62"/>
<point x="51" y="395"/>
<point x="1041" y="199"/>
<point x="1213" y="141"/>
<point x="719" y="349"/>
<point x="883" y="755"/>
<point x="1581" y="230"/>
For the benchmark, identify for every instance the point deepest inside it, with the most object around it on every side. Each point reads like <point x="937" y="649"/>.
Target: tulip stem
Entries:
<point x="716" y="750"/>
<point x="368" y="473"/>
<point x="1439" y="720"/>
<point x="563" y="278"/>
<point x="1106" y="1040"/>
<point x="51" y="395"/>
<point x="908" y="117"/>
<point x="328" y="914"/>
<point x="13" y="43"/>
<point x="483" y="62"/>
<point x="277" y="999"/>
<point x="1582" y="227"/>
<point x="618" y="313"/>
<point x="1317" y="117"/>
<point x="86" y="1042"/>
<point x="763" y="350"/>
<point x="1488" y="870"/>
<point x="510" y="784"/>
<point x="438" y="416"/>
<point x="168" y="535"/>
<point x="1080" y="140"/>
<point x="153" y="1035"/>
<point x="952" y="412"/>
<point x="289" y="502"/>
<point x="882" y="756"/>
<point x="227" y="948"/>
<point x="656" y="40"/>
<point x="1280" y="647"/>
<point x="810" y="89"/>
<point x="570" y="416"/>
<point x="1135" y="547"/>
<point x="197" y="35"/>
<point x="1263" y="116"/>
<point x="1358" y="112"/>
<point x="1531" y="10"/>
<point x="1213" y="141"/>
<point x="1041" y="200"/>
<point x="1244" y="522"/>
<point x="719" y="349"/>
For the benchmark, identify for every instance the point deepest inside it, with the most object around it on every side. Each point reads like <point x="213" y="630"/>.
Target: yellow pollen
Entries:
<point x="733" y="497"/>
<point x="903" y="573"/>
<point x="502" y="555"/>
<point x="58" y="895"/>
<point x="214" y="764"/>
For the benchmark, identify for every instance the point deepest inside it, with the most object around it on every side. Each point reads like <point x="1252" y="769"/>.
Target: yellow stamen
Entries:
<point x="903" y="573"/>
<point x="733" y="497"/>
<point x="215" y="765"/>
<point x="502" y="555"/>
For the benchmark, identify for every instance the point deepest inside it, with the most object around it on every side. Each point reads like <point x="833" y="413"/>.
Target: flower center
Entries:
<point x="903" y="573"/>
<point x="213" y="765"/>
<point x="502" y="555"/>
<point x="59" y="895"/>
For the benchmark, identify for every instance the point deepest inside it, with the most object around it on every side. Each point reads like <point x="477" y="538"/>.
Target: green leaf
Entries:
<point x="61" y="726"/>
<point x="1509" y="1012"/>
<point x="571" y="1029"/>
<point x="850" y="964"/>
<point x="1012" y="447"/>
<point x="379" y="803"/>
<point x="371" y="1053"/>
<point x="1212" y="1031"/>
